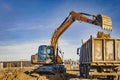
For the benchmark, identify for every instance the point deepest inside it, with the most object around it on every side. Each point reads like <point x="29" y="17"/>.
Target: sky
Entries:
<point x="27" y="24"/>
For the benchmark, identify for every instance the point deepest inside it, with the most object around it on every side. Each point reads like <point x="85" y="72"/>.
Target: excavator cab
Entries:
<point x="46" y="54"/>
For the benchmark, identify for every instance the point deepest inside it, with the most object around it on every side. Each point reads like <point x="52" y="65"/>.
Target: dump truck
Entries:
<point x="100" y="57"/>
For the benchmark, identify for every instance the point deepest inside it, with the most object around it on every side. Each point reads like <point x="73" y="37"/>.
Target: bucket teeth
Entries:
<point x="109" y="28"/>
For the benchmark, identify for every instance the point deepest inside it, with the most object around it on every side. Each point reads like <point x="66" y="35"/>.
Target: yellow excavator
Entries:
<point x="48" y="56"/>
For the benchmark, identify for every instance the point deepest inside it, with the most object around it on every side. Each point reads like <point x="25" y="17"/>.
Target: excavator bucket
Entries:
<point x="105" y="22"/>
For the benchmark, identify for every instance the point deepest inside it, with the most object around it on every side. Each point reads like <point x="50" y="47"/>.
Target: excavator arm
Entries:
<point x="99" y="20"/>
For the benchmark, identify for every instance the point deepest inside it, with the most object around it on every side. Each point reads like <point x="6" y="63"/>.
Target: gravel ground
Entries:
<point x="18" y="74"/>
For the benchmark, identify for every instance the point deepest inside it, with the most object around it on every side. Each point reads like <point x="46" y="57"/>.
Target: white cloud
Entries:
<point x="20" y="51"/>
<point x="25" y="26"/>
<point x="69" y="49"/>
<point x="24" y="51"/>
<point x="6" y="6"/>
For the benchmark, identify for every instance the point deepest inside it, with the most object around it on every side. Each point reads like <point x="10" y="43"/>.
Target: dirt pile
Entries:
<point x="22" y="75"/>
<point x="14" y="75"/>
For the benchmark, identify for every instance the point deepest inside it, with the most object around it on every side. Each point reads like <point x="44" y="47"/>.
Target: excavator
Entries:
<point x="48" y="56"/>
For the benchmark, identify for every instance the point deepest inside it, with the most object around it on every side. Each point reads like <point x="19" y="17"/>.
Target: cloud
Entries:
<point x="14" y="52"/>
<point x="6" y="6"/>
<point x="69" y="49"/>
<point x="25" y="50"/>
<point x="24" y="26"/>
<point x="20" y="51"/>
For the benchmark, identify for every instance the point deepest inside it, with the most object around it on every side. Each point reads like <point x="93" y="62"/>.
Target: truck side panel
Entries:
<point x="118" y="50"/>
<point x="100" y="50"/>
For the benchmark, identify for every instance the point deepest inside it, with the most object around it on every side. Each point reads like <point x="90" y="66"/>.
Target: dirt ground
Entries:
<point x="22" y="74"/>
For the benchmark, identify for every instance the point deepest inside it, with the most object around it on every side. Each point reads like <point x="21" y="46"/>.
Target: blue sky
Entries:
<point x="26" y="24"/>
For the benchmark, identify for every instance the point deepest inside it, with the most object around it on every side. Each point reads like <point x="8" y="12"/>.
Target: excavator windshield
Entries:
<point x="45" y="53"/>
